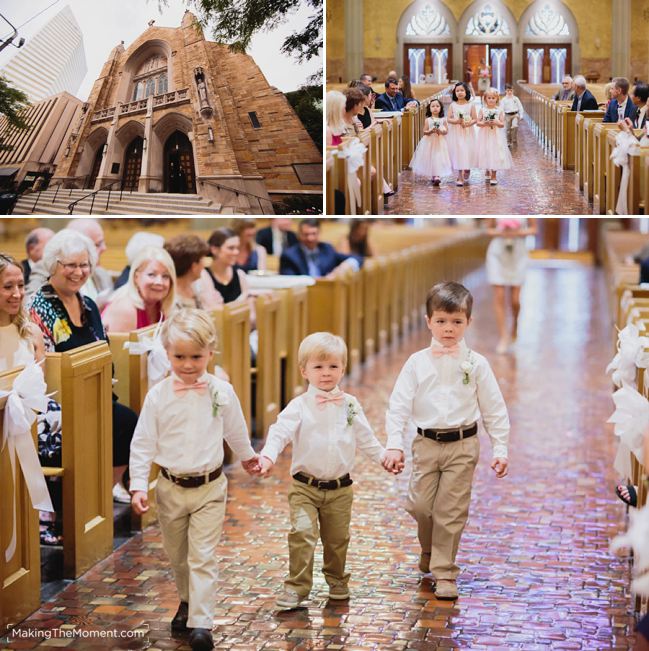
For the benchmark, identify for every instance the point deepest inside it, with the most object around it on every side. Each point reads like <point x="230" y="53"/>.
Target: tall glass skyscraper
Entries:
<point x="52" y="61"/>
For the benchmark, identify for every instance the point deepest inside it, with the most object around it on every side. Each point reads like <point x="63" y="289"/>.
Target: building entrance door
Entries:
<point x="428" y="63"/>
<point x="132" y="164"/>
<point x="547" y="64"/>
<point x="179" y="164"/>
<point x="95" y="168"/>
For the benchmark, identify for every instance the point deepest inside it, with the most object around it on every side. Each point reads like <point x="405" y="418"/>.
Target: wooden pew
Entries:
<point x="355" y="311"/>
<point x="268" y="371"/>
<point x="589" y="155"/>
<point x="601" y="155"/>
<point x="370" y="272"/>
<point x="82" y="380"/>
<point x="638" y="182"/>
<point x="295" y="302"/>
<point x="327" y="306"/>
<point x="20" y="577"/>
<point x="581" y="121"/>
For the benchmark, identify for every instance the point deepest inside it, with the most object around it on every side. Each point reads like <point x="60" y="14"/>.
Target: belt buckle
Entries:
<point x="320" y="483"/>
<point x="437" y="436"/>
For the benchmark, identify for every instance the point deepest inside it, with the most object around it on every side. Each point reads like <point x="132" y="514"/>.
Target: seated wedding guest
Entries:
<point x="21" y="343"/>
<point x="229" y="281"/>
<point x="583" y="100"/>
<point x="251" y="256"/>
<point x="620" y="106"/>
<point x="336" y="126"/>
<point x="194" y="286"/>
<point x="639" y="97"/>
<point x="354" y="106"/>
<point x="391" y="99"/>
<point x="278" y="236"/>
<point x="357" y="241"/>
<point x="405" y="89"/>
<point x="69" y="319"/>
<point x="138" y="241"/>
<point x="365" y="117"/>
<point x="367" y="80"/>
<point x="566" y="92"/>
<point x="34" y="245"/>
<point x="314" y="258"/>
<point x="148" y="296"/>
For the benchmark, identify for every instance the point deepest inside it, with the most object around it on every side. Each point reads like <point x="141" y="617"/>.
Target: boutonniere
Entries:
<point x="352" y="412"/>
<point x="216" y="405"/>
<point x="467" y="367"/>
<point x="61" y="331"/>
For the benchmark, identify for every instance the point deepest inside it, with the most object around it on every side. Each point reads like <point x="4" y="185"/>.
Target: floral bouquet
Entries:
<point x="489" y="116"/>
<point x="509" y="225"/>
<point x="436" y="123"/>
<point x="466" y="117"/>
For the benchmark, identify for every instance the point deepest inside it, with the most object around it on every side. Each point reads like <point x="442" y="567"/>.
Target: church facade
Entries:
<point x="538" y="40"/>
<point x="176" y="113"/>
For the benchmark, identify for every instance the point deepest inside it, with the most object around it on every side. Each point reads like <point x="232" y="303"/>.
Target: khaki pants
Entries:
<point x="191" y="520"/>
<point x="318" y="513"/>
<point x="439" y="496"/>
<point x="510" y="131"/>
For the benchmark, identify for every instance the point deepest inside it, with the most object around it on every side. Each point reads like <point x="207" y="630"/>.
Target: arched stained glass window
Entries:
<point x="547" y="22"/>
<point x="428" y="22"/>
<point x="487" y="22"/>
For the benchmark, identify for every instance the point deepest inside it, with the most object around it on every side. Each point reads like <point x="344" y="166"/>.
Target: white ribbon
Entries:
<point x="157" y="362"/>
<point x="631" y="419"/>
<point x="636" y="538"/>
<point x="630" y="356"/>
<point x="26" y="397"/>
<point x="354" y="152"/>
<point x="625" y="145"/>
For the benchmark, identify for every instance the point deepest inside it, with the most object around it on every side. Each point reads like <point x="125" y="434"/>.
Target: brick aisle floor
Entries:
<point x="535" y="185"/>
<point x="536" y="569"/>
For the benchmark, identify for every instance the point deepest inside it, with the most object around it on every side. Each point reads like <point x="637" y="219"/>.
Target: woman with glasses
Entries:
<point x="68" y="319"/>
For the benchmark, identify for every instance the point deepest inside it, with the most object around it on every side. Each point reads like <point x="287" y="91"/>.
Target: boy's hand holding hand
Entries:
<point x="140" y="502"/>
<point x="251" y="466"/>
<point x="499" y="465"/>
<point x="265" y="466"/>
<point x="393" y="461"/>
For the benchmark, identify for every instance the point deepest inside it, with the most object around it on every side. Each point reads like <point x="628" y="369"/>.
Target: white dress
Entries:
<point x="431" y="156"/>
<point x="461" y="141"/>
<point x="492" y="152"/>
<point x="507" y="259"/>
<point x="14" y="350"/>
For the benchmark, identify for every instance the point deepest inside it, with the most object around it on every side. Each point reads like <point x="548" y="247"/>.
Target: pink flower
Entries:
<point x="509" y="224"/>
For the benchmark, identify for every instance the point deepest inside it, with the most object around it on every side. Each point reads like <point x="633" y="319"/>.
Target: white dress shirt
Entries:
<point x="181" y="433"/>
<point x="512" y="105"/>
<point x="431" y="392"/>
<point x="324" y="444"/>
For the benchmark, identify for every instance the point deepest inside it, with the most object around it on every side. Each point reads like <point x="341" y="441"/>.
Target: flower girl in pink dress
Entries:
<point x="492" y="150"/>
<point x="431" y="157"/>
<point x="461" y="132"/>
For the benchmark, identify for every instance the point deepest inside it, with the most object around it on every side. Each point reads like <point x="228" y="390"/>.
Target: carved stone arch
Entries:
<point x="135" y="61"/>
<point x="163" y="129"/>
<point x="92" y="148"/>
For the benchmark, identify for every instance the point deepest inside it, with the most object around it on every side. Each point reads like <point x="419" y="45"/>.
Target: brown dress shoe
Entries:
<point x="201" y="639"/>
<point x="179" y="622"/>
<point x="446" y="590"/>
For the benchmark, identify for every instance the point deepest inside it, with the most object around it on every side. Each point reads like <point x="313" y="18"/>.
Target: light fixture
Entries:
<point x="144" y="145"/>
<point x="210" y="134"/>
<point x="104" y="149"/>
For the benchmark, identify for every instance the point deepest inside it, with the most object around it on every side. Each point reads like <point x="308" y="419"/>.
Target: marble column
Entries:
<point x="621" y="41"/>
<point x="354" y="58"/>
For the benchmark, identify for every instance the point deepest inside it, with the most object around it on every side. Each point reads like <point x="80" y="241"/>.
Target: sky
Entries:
<point x="105" y="24"/>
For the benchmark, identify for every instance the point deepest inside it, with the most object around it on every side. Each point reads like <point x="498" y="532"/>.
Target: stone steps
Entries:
<point x="135" y="203"/>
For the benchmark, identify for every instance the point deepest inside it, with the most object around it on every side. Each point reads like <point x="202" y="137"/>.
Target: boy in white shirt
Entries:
<point x="183" y="423"/>
<point x="325" y="426"/>
<point x="513" y="110"/>
<point x="445" y="389"/>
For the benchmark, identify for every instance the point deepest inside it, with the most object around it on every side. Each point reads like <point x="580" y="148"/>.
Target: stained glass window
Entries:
<point x="428" y="22"/>
<point x="547" y="22"/>
<point x="487" y="22"/>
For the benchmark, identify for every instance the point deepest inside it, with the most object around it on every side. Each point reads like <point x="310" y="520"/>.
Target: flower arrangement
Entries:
<point x="352" y="412"/>
<point x="490" y="115"/>
<point x="436" y="122"/>
<point x="467" y="367"/>
<point x="466" y="118"/>
<point x="216" y="405"/>
<point x="61" y="331"/>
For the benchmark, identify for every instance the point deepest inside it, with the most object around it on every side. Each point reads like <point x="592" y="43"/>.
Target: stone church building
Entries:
<point x="176" y="113"/>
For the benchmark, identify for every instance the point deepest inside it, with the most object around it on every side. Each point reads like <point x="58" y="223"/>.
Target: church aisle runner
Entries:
<point x="536" y="184"/>
<point x="536" y="570"/>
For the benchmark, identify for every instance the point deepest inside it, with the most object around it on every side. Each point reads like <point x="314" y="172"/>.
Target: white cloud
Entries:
<point x="105" y="24"/>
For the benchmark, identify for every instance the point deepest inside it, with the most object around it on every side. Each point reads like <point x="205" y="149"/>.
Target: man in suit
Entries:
<point x="566" y="92"/>
<point x="392" y="99"/>
<point x="639" y="97"/>
<point x="276" y="237"/>
<point x="310" y="257"/>
<point x="34" y="245"/>
<point x="584" y="100"/>
<point x="620" y="106"/>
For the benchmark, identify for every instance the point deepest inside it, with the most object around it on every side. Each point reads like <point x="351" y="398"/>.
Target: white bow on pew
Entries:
<point x="630" y="356"/>
<point x="625" y="145"/>
<point x="26" y="397"/>
<point x="631" y="419"/>
<point x="157" y="362"/>
<point x="636" y="538"/>
<point x="354" y="152"/>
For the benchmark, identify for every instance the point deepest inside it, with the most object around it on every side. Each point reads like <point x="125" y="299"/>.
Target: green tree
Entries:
<point x="236" y="21"/>
<point x="12" y="102"/>
<point x="307" y="103"/>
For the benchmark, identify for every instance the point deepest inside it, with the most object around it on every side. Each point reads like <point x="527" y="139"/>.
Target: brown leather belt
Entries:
<point x="449" y="435"/>
<point x="193" y="481"/>
<point x="324" y="484"/>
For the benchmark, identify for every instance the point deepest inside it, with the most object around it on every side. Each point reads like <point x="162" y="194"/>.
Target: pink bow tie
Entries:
<point x="180" y="387"/>
<point x="440" y="351"/>
<point x="322" y="399"/>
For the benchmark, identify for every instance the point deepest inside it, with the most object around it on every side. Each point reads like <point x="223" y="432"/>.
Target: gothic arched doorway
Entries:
<point x="95" y="167"/>
<point x="179" y="176"/>
<point x="132" y="164"/>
